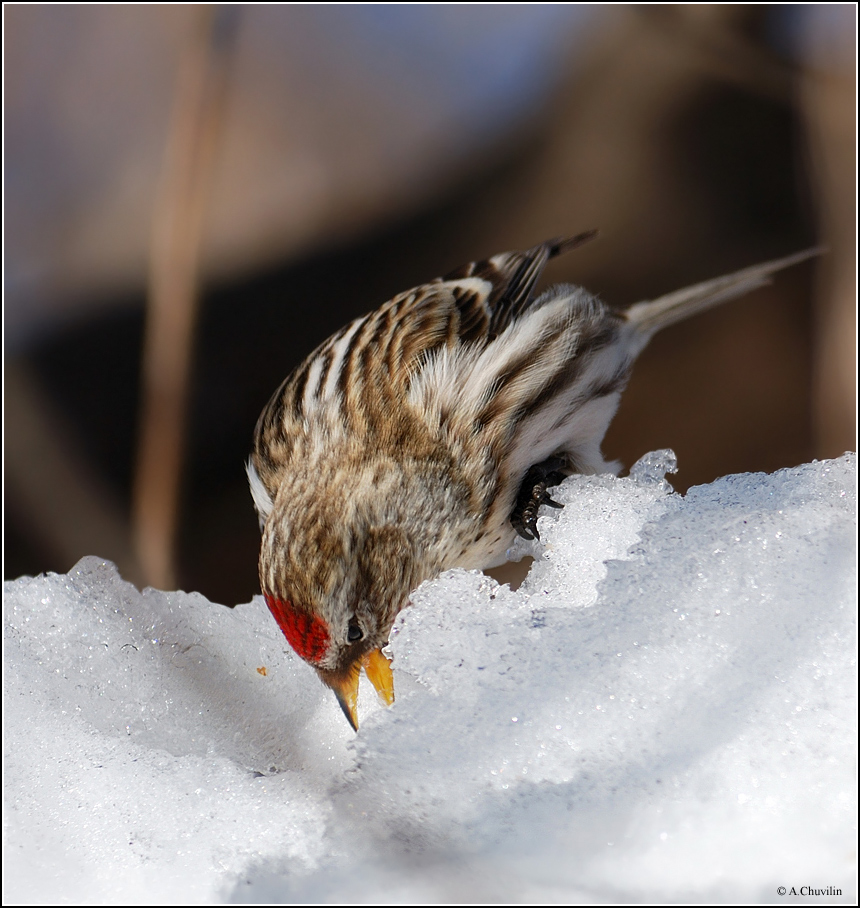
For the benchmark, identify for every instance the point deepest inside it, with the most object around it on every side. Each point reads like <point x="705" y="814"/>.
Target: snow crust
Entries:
<point x="664" y="711"/>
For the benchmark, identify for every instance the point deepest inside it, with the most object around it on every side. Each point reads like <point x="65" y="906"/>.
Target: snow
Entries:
<point x="664" y="711"/>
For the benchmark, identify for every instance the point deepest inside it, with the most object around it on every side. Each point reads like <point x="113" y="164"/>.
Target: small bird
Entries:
<point x="425" y="436"/>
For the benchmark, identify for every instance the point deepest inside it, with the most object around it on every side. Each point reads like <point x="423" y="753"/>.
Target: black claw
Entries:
<point x="533" y="493"/>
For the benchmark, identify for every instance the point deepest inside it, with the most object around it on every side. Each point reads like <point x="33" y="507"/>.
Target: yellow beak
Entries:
<point x="345" y="686"/>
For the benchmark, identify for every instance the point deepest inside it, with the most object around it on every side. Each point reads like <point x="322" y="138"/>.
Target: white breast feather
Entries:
<point x="262" y="501"/>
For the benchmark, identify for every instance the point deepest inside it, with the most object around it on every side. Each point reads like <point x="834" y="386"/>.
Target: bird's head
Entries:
<point x="336" y="569"/>
<point x="338" y="653"/>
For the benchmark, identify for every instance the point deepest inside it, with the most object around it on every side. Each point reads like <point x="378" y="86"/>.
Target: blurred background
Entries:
<point x="197" y="196"/>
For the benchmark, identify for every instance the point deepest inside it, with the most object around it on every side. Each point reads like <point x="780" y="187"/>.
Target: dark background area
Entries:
<point x="725" y="178"/>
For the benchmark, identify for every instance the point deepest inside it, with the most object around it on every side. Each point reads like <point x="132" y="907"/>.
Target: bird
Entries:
<point x="427" y="434"/>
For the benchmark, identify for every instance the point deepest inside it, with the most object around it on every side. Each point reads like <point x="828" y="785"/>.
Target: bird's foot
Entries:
<point x="533" y="493"/>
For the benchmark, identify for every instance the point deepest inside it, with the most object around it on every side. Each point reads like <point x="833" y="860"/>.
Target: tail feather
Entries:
<point x="650" y="316"/>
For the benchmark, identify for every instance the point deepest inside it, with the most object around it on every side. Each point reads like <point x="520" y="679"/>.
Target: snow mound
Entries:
<point x="665" y="711"/>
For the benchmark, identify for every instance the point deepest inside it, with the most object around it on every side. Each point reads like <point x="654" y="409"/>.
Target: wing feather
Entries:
<point x="370" y="363"/>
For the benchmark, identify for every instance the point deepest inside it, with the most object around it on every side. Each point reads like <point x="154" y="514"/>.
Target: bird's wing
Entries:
<point x="368" y="364"/>
<point x="470" y="306"/>
<point x="502" y="287"/>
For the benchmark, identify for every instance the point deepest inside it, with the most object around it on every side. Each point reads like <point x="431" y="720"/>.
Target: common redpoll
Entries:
<point x="424" y="436"/>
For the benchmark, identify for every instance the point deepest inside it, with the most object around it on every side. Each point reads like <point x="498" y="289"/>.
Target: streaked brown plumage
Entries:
<point x="399" y="448"/>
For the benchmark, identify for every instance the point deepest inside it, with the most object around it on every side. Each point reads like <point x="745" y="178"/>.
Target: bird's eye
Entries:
<point x="354" y="634"/>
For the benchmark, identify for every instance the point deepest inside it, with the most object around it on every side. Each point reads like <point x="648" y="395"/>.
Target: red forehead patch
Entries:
<point x="306" y="634"/>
